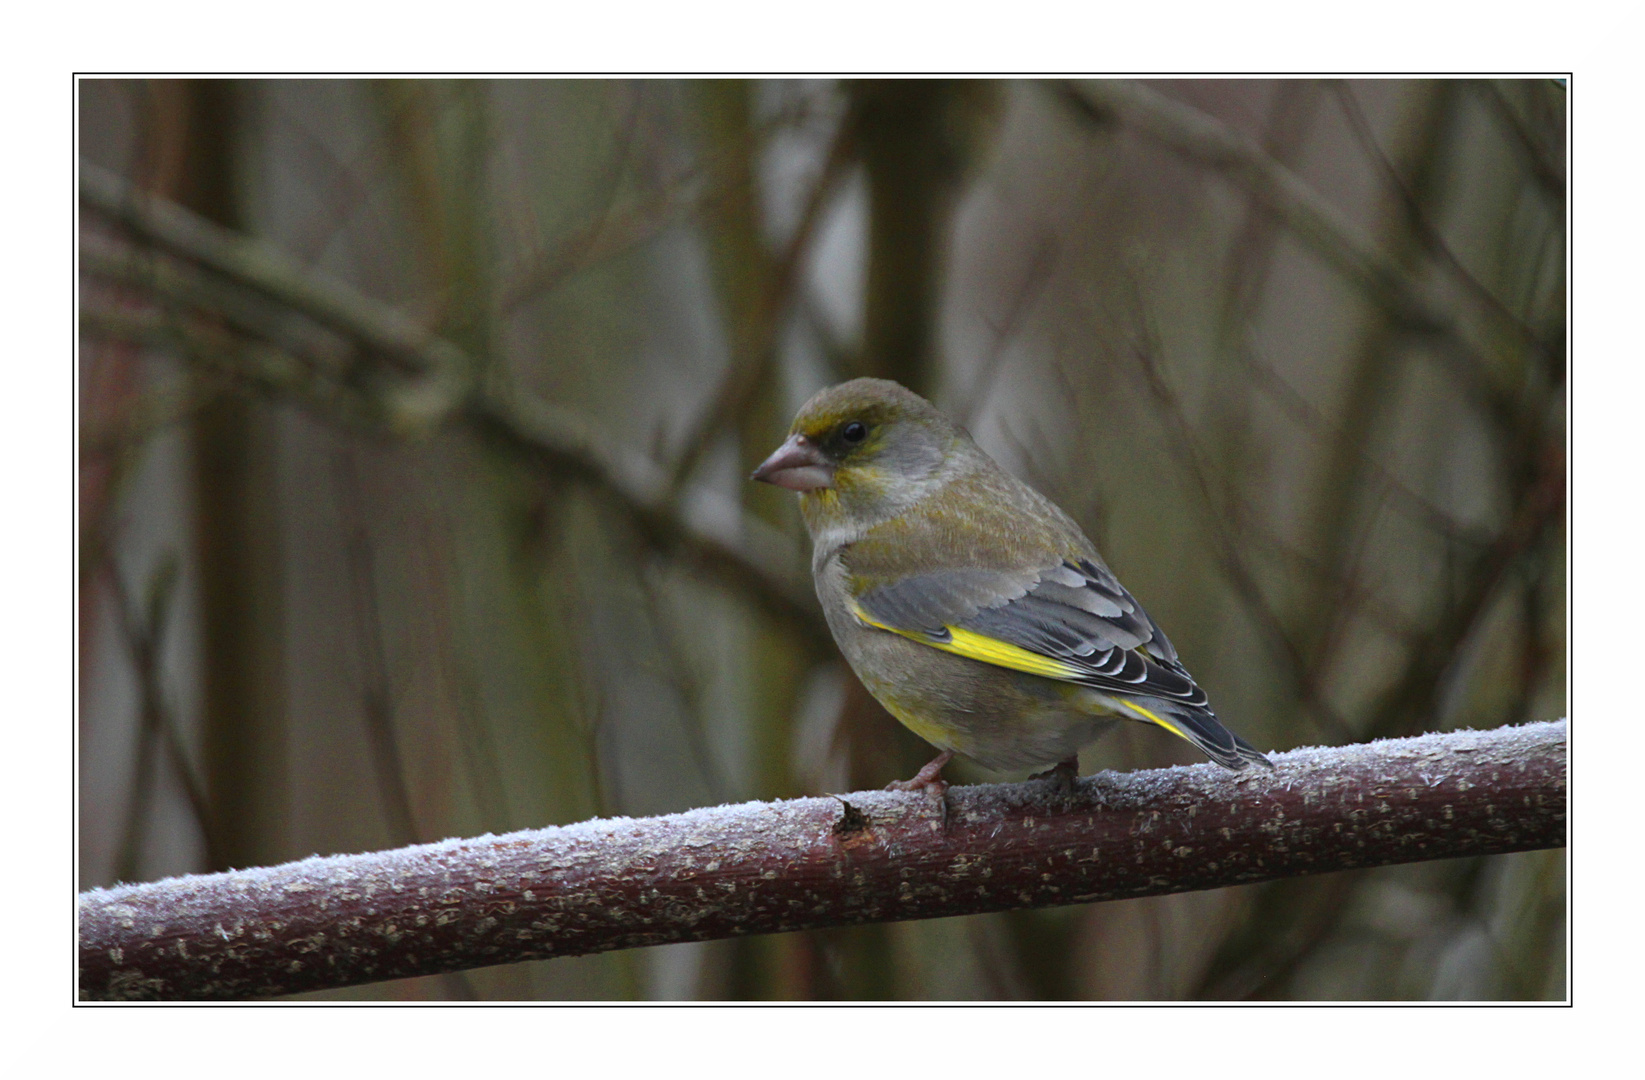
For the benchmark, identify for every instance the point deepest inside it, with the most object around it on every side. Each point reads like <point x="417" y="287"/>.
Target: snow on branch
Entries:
<point x="762" y="868"/>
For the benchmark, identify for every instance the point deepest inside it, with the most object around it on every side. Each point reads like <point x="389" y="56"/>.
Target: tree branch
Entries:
<point x="764" y="868"/>
<point x="1321" y="227"/>
<point x="740" y="551"/>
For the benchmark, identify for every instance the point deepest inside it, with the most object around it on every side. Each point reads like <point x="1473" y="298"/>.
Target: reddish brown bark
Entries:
<point x="770" y="867"/>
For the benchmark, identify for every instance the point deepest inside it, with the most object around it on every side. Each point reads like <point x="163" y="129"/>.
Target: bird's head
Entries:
<point x="864" y="449"/>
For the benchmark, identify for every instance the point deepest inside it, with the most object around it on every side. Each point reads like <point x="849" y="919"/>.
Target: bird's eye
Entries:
<point x="855" y="432"/>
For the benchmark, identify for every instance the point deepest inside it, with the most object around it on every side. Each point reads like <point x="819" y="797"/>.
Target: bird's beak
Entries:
<point x="796" y="465"/>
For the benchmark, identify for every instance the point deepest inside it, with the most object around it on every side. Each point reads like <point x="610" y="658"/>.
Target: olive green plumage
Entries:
<point x="968" y="604"/>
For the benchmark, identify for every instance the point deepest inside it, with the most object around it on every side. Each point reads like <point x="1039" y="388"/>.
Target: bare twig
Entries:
<point x="780" y="280"/>
<point x="1431" y="238"/>
<point x="1543" y="165"/>
<point x="808" y="863"/>
<point x="1291" y="401"/>
<point x="144" y="629"/>
<point x="742" y="553"/>
<point x="247" y="262"/>
<point x="1042" y="261"/>
<point x="759" y="563"/>
<point x="1185" y="448"/>
<point x="1538" y="509"/>
<point x="481" y="757"/>
<point x="376" y="689"/>
<point x="547" y="268"/>
<point x="1378" y="275"/>
<point x="677" y="671"/>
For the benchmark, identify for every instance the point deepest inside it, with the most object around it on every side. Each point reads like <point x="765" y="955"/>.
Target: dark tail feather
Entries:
<point x="1202" y="728"/>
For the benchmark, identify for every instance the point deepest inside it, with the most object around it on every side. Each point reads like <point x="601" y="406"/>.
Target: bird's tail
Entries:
<point x="1201" y="727"/>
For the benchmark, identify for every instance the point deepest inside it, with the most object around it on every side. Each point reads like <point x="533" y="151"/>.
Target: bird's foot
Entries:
<point x="1061" y="774"/>
<point x="928" y="777"/>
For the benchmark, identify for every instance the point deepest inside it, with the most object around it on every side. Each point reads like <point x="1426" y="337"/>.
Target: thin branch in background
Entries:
<point x="1476" y="907"/>
<point x="599" y="241"/>
<point x="781" y="279"/>
<point x="1290" y="400"/>
<point x="448" y="612"/>
<point x="999" y="970"/>
<point x="1344" y="585"/>
<point x="747" y="556"/>
<point x="1245" y="279"/>
<point x="1321" y="227"/>
<point x="590" y="707"/>
<point x="142" y="780"/>
<point x="679" y="673"/>
<point x="1391" y="620"/>
<point x="1307" y="908"/>
<point x="376" y="691"/>
<point x="1428" y="234"/>
<point x="1539" y="508"/>
<point x="1246" y="275"/>
<point x="1093" y="512"/>
<point x="547" y="268"/>
<point x="342" y="200"/>
<point x="1031" y="449"/>
<point x="566" y="603"/>
<point x="608" y="790"/>
<point x="109" y="382"/>
<point x="144" y="632"/>
<point x="1042" y="264"/>
<point x="842" y="360"/>
<point x="1154" y="934"/>
<point x="1185" y="448"/>
<point x="1535" y="657"/>
<point x="1540" y="161"/>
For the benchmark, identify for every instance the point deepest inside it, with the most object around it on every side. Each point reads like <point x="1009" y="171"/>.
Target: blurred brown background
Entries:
<point x="1292" y="352"/>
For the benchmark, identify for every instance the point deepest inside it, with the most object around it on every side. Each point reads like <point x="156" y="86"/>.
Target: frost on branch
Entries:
<point x="759" y="868"/>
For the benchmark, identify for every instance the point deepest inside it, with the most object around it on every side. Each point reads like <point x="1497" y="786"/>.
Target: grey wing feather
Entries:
<point x="928" y="602"/>
<point x="1075" y="612"/>
<point x="1080" y="614"/>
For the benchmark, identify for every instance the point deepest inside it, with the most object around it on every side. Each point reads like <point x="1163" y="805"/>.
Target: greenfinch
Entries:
<point x="968" y="604"/>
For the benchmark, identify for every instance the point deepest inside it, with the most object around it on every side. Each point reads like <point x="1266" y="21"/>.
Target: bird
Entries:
<point x="970" y="605"/>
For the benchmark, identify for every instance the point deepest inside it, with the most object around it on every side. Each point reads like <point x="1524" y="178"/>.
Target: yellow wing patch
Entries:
<point x="975" y="646"/>
<point x="1154" y="717"/>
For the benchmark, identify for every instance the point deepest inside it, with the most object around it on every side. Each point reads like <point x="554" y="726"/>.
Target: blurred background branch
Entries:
<point x="533" y="429"/>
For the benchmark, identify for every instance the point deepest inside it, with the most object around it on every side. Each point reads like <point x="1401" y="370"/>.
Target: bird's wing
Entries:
<point x="1073" y="622"/>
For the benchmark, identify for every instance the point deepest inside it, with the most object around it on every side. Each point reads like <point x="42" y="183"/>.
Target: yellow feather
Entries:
<point x="1147" y="715"/>
<point x="977" y="646"/>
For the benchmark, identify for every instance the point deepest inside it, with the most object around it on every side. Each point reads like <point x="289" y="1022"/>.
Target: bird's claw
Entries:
<point x="928" y="777"/>
<point x="1061" y="774"/>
